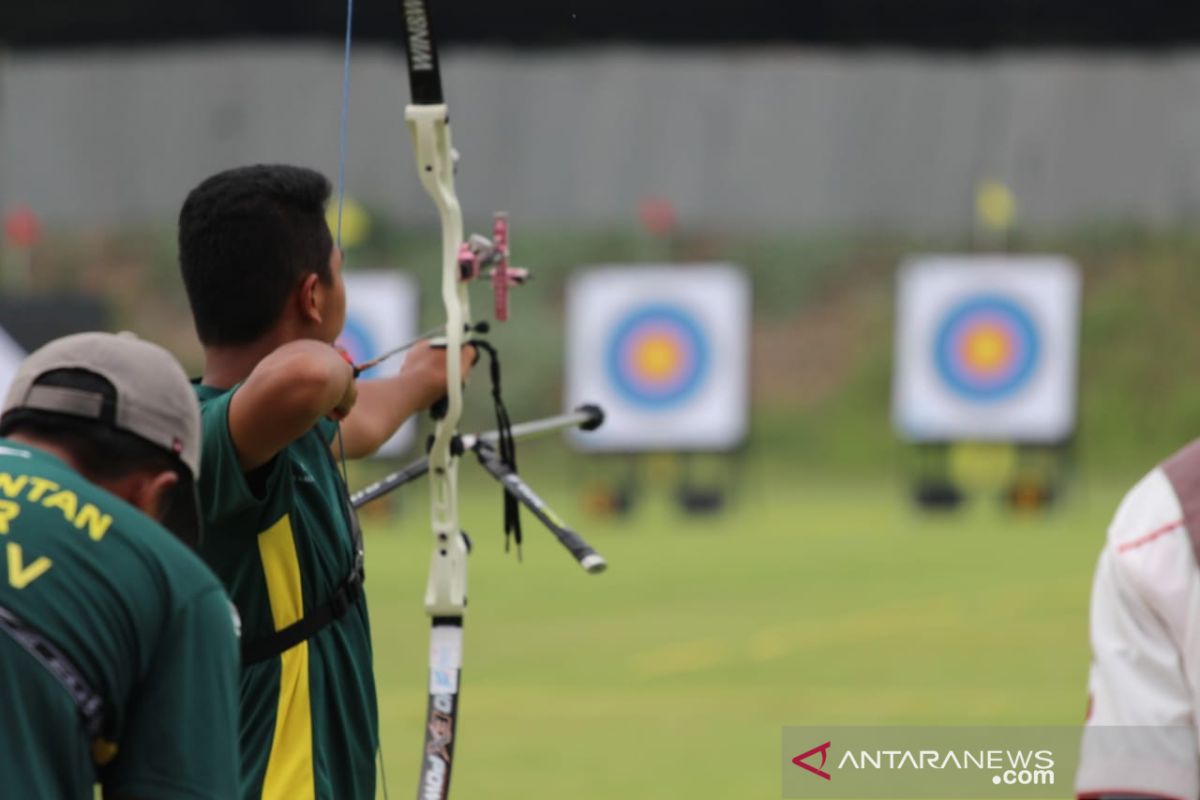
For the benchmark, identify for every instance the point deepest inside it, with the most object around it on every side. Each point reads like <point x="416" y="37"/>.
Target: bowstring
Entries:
<point x="343" y="136"/>
<point x="344" y="121"/>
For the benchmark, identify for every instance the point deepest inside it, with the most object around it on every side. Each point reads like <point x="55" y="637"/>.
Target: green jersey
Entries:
<point x="281" y="541"/>
<point x="144" y="623"/>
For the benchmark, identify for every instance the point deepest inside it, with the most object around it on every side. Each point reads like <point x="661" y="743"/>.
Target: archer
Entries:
<point x="265" y="287"/>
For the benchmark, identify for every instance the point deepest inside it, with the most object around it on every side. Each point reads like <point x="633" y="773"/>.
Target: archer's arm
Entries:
<point x="285" y="395"/>
<point x="385" y="404"/>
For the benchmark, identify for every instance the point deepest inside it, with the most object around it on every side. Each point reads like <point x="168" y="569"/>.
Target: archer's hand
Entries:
<point x="383" y="404"/>
<point x="424" y="371"/>
<point x="349" y="397"/>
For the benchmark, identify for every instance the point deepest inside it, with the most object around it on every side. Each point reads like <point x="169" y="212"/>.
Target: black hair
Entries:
<point x="100" y="451"/>
<point x="247" y="236"/>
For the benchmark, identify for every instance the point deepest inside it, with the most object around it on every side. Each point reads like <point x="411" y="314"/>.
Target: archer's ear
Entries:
<point x="145" y="491"/>
<point x="310" y="298"/>
<point x="153" y="493"/>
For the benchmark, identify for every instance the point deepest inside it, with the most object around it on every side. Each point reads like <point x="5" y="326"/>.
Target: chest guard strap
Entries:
<point x="312" y="623"/>
<point x="89" y="702"/>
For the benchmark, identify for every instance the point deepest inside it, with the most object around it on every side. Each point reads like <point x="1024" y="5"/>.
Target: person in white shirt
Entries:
<point x="1140" y="736"/>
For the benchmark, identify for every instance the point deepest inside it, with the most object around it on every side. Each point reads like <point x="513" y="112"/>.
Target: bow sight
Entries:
<point x="479" y="253"/>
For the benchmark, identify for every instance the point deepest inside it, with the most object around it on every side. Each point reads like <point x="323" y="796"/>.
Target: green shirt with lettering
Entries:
<point x="280" y="539"/>
<point x="144" y="622"/>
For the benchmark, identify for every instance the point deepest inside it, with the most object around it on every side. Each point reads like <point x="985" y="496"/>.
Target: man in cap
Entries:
<point x="118" y="648"/>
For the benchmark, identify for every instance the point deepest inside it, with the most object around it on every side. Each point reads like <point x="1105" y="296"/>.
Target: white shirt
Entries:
<point x="1141" y="732"/>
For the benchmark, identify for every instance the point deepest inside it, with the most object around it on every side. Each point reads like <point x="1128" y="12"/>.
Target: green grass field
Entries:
<point x="671" y="675"/>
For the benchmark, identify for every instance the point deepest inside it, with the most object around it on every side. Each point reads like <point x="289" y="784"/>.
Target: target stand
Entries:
<point x="665" y="349"/>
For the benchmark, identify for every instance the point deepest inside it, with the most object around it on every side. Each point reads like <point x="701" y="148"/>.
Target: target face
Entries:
<point x="664" y="350"/>
<point x="987" y="348"/>
<point x="658" y="356"/>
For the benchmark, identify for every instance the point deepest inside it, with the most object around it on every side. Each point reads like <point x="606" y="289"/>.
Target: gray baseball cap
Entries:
<point x="153" y="399"/>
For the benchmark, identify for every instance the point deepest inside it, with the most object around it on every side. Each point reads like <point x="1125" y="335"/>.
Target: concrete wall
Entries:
<point x="760" y="138"/>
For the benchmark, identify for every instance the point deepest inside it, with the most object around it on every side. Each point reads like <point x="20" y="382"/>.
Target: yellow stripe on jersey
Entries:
<point x="290" y="766"/>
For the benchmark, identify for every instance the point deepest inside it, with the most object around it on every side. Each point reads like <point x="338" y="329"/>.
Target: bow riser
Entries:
<point x="445" y="594"/>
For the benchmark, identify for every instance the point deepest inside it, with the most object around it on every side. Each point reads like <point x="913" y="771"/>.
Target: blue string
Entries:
<point x="343" y="128"/>
<point x="344" y="125"/>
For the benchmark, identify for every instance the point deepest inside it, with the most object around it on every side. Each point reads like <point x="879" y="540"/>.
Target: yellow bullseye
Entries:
<point x="987" y="349"/>
<point x="657" y="357"/>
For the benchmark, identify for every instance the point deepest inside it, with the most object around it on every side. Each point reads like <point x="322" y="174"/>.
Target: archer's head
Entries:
<point x="121" y="412"/>
<point x="258" y="259"/>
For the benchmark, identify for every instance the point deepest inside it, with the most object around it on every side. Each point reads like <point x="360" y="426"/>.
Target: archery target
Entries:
<point x="986" y="348"/>
<point x="381" y="313"/>
<point x="11" y="356"/>
<point x="664" y="350"/>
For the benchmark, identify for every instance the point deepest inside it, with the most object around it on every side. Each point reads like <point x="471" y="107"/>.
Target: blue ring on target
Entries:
<point x="357" y="341"/>
<point x="673" y="341"/>
<point x="1017" y="333"/>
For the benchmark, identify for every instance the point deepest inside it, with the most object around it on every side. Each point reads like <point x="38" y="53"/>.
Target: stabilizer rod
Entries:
<point x="587" y="417"/>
